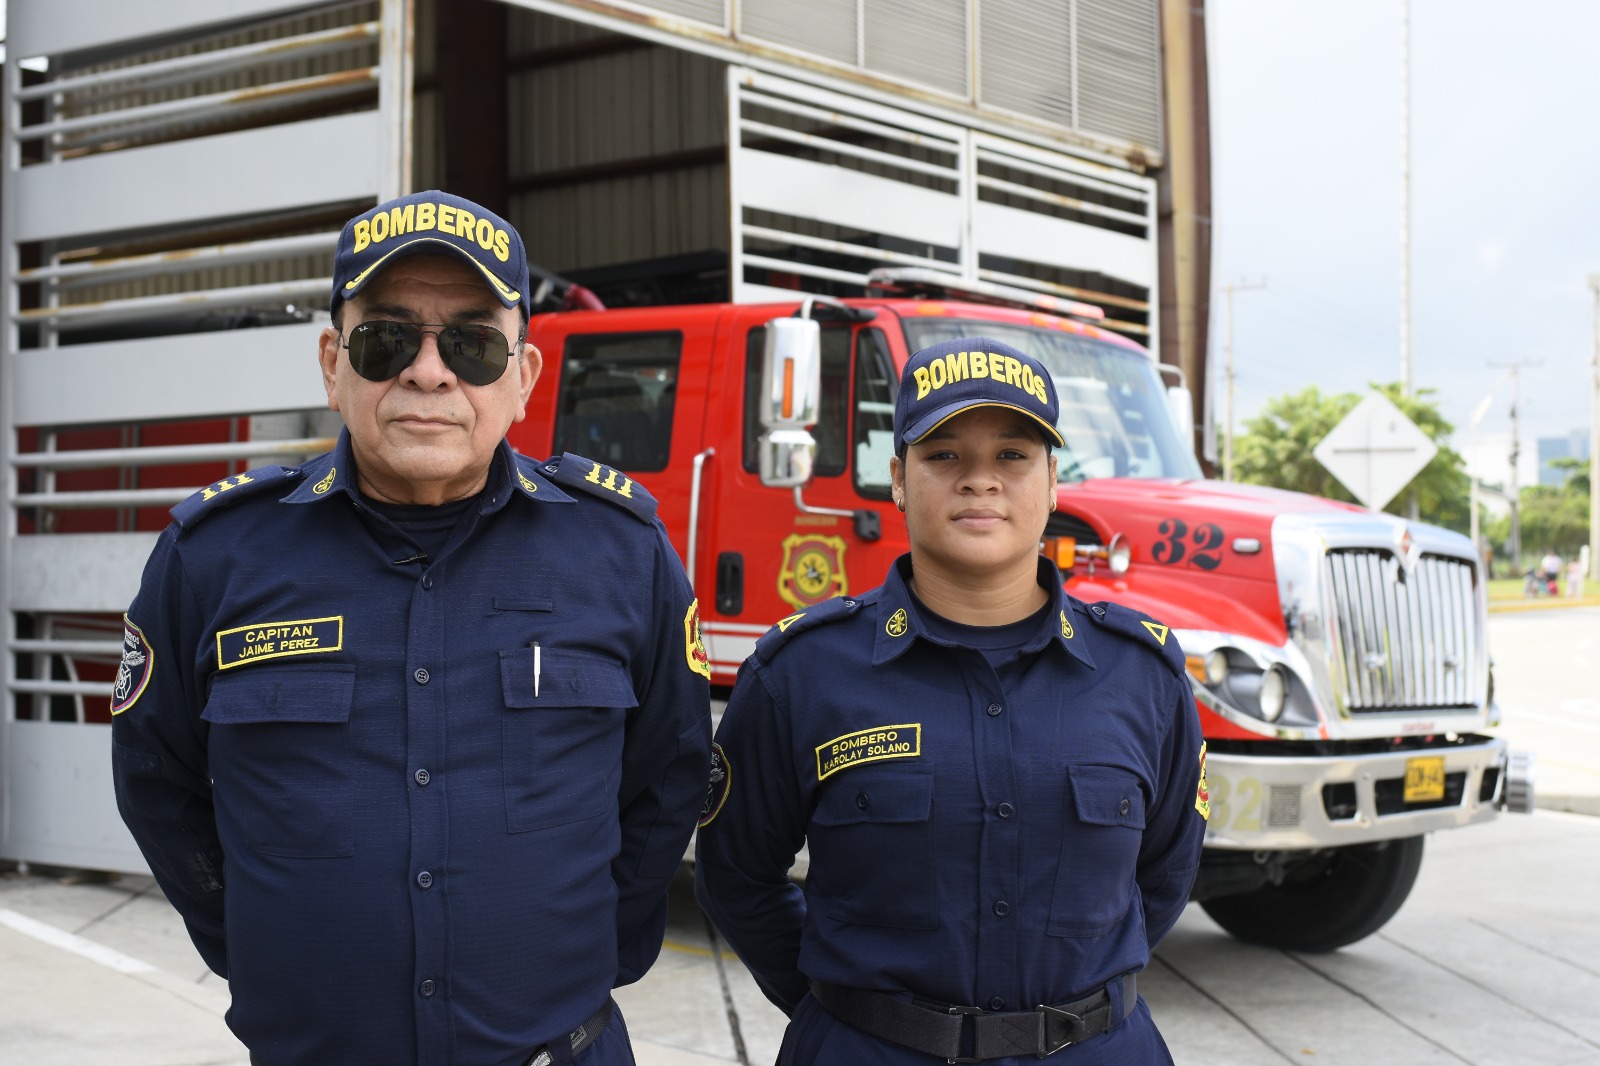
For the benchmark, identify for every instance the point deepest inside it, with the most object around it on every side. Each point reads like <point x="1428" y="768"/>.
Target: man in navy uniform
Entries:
<point x="414" y="735"/>
<point x="1002" y="787"/>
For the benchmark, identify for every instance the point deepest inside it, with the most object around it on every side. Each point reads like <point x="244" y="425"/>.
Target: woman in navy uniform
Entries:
<point x="1002" y="787"/>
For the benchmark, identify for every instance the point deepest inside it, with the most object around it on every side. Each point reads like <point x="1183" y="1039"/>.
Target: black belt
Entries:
<point x="943" y="1031"/>
<point x="581" y="1037"/>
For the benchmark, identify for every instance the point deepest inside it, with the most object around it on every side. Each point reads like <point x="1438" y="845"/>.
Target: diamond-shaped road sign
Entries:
<point x="1375" y="451"/>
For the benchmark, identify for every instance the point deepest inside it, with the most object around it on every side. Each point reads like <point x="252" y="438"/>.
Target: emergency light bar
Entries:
<point x="920" y="281"/>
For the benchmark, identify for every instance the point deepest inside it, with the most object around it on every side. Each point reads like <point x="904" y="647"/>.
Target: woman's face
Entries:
<point x="976" y="492"/>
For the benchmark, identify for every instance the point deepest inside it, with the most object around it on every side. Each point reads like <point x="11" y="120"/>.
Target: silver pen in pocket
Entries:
<point x="535" y="647"/>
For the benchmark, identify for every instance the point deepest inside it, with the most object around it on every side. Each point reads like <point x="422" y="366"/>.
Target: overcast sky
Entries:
<point x="1505" y="194"/>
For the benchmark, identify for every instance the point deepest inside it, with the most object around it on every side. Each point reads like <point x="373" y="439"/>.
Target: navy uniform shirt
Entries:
<point x="400" y="834"/>
<point x="978" y="839"/>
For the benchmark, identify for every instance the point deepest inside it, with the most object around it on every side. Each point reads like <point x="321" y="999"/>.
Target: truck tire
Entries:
<point x="1327" y="902"/>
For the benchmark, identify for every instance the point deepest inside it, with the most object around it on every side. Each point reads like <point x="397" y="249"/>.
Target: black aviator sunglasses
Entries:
<point x="477" y="354"/>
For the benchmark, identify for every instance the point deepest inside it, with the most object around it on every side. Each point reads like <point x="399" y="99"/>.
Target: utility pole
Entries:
<point x="1405" y="201"/>
<point x="1227" y="422"/>
<point x="1514" y="548"/>
<point x="1594" y="429"/>
<point x="1412" y="509"/>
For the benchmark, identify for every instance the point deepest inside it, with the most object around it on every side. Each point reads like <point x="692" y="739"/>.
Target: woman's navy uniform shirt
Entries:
<point x="397" y="837"/>
<point x="982" y="839"/>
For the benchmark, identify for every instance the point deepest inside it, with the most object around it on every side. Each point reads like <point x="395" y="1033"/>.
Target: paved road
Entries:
<point x="1494" y="960"/>
<point x="1547" y="680"/>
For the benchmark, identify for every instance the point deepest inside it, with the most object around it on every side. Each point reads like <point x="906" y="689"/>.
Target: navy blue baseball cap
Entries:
<point x="946" y="379"/>
<point x="431" y="222"/>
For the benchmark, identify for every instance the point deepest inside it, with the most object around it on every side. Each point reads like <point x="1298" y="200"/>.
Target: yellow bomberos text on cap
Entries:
<point x="402" y="221"/>
<point x="433" y="223"/>
<point x="943" y="380"/>
<point x="965" y="366"/>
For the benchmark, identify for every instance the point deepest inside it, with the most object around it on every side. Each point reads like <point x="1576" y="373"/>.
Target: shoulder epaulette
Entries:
<point x="1142" y="629"/>
<point x="836" y="609"/>
<point x="230" y="490"/>
<point x="598" y="479"/>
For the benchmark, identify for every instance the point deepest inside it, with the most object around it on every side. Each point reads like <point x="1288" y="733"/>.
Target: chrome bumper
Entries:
<point x="1262" y="803"/>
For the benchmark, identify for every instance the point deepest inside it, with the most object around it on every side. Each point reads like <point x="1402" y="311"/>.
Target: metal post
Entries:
<point x="1405" y="198"/>
<point x="1516" y="492"/>
<point x="1594" y="430"/>
<point x="1227" y="421"/>
<point x="1472" y="451"/>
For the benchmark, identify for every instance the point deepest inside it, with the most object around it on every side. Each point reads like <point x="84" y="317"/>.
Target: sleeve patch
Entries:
<point x="133" y="673"/>
<point x="718" y="787"/>
<point x="694" y="645"/>
<point x="1202" y="794"/>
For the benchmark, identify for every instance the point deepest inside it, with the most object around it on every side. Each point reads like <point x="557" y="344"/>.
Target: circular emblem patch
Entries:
<point x="1066" y="626"/>
<point x="694" y="646"/>
<point x="896" y="625"/>
<point x="717" y="789"/>
<point x="133" y="673"/>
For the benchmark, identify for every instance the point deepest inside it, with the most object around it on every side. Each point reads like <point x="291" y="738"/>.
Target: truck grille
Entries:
<point x="1404" y="640"/>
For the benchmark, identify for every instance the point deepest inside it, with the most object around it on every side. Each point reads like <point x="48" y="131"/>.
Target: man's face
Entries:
<point x="977" y="491"/>
<point x="426" y="437"/>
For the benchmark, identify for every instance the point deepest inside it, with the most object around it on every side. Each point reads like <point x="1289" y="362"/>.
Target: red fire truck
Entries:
<point x="1337" y="656"/>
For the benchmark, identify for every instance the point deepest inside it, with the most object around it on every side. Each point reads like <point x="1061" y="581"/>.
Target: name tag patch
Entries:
<point x="875" y="744"/>
<point x="274" y="640"/>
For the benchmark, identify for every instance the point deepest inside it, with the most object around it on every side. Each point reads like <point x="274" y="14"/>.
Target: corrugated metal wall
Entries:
<point x="1089" y="67"/>
<point x="618" y="147"/>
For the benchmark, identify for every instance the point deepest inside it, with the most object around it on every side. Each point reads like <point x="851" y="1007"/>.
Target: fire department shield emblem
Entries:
<point x="813" y="569"/>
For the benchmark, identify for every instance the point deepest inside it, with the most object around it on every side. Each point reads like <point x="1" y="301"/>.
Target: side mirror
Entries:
<point x="791" y="386"/>
<point x="1180" y="404"/>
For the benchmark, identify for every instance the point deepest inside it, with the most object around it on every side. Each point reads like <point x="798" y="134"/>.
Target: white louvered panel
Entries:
<point x="714" y="12"/>
<point x="1025" y="58"/>
<point x="61" y="26"/>
<point x="1059" y="242"/>
<point x="919" y="40"/>
<point x="850" y="198"/>
<point x="825" y="28"/>
<point x="1119" y="70"/>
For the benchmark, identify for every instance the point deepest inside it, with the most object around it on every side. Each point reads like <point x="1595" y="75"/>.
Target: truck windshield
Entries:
<point x="1114" y="415"/>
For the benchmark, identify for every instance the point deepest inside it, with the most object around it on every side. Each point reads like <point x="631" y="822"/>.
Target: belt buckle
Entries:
<point x="964" y="1011"/>
<point x="1075" y="1024"/>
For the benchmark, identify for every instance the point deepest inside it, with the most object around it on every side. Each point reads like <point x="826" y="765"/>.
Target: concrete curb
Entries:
<point x="1542" y="603"/>
<point x="1589" y="805"/>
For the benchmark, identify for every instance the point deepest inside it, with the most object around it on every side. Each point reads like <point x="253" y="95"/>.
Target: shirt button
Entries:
<point x="1005" y="810"/>
<point x="1001" y="908"/>
<point x="421" y="676"/>
<point x="863" y="801"/>
<point x="425" y="879"/>
<point x="994" y="709"/>
<point x="423" y="777"/>
<point x="427" y="988"/>
<point x="997" y="1004"/>
<point x="427" y="582"/>
<point x="1122" y="808"/>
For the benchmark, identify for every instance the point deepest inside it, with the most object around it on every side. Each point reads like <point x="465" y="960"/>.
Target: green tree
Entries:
<point x="1276" y="450"/>
<point x="1552" y="517"/>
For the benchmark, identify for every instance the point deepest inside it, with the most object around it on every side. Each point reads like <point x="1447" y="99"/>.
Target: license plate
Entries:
<point x="1425" y="779"/>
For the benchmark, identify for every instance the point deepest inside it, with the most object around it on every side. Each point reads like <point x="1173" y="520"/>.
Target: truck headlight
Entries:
<point x="1216" y="668"/>
<point x="1274" y="692"/>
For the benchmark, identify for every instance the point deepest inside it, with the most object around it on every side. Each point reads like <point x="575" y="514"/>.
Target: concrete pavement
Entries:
<point x="1490" y="962"/>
